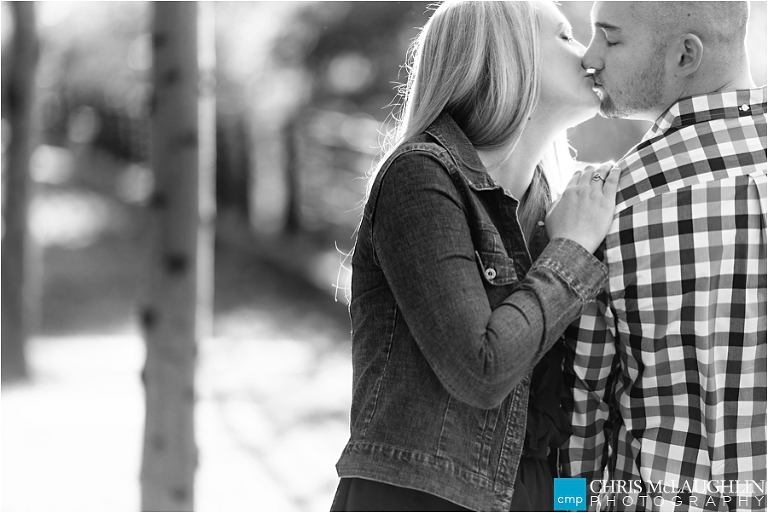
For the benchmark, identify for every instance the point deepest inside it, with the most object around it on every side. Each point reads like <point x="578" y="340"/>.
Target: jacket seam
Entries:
<point x="576" y="287"/>
<point x="403" y="150"/>
<point x="383" y="373"/>
<point x="442" y="425"/>
<point x="505" y="451"/>
<point x="574" y="283"/>
<point x="490" y="484"/>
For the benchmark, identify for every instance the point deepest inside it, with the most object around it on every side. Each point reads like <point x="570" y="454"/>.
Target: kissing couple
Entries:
<point x="507" y="331"/>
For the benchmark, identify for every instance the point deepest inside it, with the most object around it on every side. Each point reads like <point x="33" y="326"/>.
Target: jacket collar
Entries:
<point x="445" y="130"/>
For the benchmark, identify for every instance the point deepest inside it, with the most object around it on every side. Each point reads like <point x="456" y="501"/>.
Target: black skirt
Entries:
<point x="533" y="492"/>
<point x="356" y="494"/>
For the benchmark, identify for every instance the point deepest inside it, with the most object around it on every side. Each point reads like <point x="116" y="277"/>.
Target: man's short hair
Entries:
<point x="717" y="24"/>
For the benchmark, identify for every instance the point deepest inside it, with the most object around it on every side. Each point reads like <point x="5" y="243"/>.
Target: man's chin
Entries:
<point x="610" y="114"/>
<point x="608" y="109"/>
<point x="628" y="109"/>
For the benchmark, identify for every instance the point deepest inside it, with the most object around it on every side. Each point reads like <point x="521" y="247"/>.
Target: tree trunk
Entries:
<point x="292" y="176"/>
<point x="178" y="310"/>
<point x="15" y="254"/>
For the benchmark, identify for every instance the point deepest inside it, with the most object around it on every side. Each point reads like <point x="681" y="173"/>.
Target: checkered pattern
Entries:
<point x="667" y="368"/>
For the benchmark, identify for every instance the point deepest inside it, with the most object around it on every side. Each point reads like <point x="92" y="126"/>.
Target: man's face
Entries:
<point x="628" y="59"/>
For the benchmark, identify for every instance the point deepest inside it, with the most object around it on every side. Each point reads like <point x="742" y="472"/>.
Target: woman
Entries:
<point x="462" y="284"/>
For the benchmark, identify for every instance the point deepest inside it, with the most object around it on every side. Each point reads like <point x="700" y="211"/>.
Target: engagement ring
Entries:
<point x="598" y="177"/>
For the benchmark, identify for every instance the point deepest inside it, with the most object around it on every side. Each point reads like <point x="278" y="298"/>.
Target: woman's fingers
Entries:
<point x="575" y="178"/>
<point x="586" y="175"/>
<point x="612" y="181"/>
<point x="606" y="166"/>
<point x="596" y="176"/>
<point x="585" y="210"/>
<point x="603" y="170"/>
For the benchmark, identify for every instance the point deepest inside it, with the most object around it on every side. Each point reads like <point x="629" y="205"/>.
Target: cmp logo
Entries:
<point x="570" y="494"/>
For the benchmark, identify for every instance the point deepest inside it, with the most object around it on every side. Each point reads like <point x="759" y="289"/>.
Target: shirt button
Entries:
<point x="490" y="273"/>
<point x="540" y="223"/>
<point x="745" y="107"/>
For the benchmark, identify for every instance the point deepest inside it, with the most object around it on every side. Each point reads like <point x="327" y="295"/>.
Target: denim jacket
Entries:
<point x="449" y="316"/>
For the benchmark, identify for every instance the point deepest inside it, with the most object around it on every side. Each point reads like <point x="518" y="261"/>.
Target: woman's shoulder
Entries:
<point x="414" y="168"/>
<point x="413" y="163"/>
<point x="418" y="156"/>
<point x="423" y="145"/>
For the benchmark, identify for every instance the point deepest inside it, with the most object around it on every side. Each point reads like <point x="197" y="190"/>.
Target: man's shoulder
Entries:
<point x="689" y="155"/>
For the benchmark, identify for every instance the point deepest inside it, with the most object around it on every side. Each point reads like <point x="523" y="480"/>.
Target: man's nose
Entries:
<point x="591" y="58"/>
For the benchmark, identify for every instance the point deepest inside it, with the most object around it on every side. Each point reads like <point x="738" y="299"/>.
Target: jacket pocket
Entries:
<point x="469" y="435"/>
<point x="498" y="274"/>
<point x="496" y="268"/>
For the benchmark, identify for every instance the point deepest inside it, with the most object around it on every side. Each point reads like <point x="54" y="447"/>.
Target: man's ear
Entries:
<point x="689" y="54"/>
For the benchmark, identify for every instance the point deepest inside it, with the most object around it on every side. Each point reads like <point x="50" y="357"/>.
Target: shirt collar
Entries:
<point x="708" y="107"/>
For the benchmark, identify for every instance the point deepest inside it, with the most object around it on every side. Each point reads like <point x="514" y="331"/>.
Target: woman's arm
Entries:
<point x="423" y="244"/>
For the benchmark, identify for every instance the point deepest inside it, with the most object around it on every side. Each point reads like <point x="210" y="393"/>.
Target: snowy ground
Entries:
<point x="271" y="421"/>
<point x="273" y="383"/>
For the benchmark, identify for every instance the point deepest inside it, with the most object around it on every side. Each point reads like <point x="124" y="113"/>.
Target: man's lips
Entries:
<point x="597" y="87"/>
<point x="592" y="78"/>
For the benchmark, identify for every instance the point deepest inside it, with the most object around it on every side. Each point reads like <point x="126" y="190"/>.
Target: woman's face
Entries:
<point x="566" y="89"/>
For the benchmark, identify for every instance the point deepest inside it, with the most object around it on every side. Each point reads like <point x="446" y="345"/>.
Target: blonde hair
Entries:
<point x="479" y="61"/>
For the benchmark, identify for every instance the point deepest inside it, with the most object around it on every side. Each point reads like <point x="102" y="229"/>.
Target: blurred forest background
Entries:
<point x="303" y="92"/>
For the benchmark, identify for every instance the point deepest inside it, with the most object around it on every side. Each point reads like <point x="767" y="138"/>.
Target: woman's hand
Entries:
<point x="585" y="210"/>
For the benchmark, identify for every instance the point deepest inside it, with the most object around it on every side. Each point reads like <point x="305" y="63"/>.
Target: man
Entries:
<point x="667" y="369"/>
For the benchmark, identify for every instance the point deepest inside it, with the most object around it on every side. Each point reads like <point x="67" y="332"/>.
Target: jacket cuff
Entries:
<point x="584" y="274"/>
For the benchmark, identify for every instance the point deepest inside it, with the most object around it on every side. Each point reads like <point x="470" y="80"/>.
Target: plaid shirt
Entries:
<point x="668" y="366"/>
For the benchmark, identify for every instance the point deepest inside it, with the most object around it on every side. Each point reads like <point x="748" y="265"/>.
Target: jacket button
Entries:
<point x="490" y="273"/>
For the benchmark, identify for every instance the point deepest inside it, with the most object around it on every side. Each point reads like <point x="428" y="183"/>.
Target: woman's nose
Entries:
<point x="580" y="49"/>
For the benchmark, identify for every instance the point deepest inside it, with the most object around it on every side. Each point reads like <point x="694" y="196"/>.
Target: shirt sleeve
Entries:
<point x="589" y="369"/>
<point x="423" y="244"/>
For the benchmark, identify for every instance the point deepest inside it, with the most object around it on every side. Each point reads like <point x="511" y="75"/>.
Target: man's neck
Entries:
<point x="725" y="84"/>
<point x="709" y="84"/>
